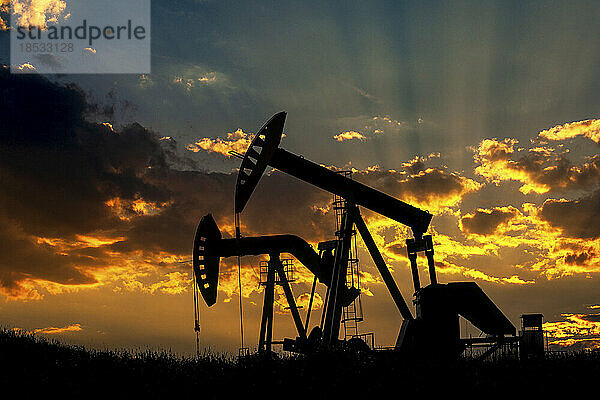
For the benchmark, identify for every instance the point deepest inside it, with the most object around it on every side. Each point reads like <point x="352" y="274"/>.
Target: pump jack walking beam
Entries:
<point x="264" y="151"/>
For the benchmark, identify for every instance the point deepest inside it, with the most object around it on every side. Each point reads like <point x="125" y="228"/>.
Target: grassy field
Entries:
<point x="38" y="367"/>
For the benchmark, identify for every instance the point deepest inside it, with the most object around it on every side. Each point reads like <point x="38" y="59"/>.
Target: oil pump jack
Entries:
<point x="433" y="331"/>
<point x="209" y="247"/>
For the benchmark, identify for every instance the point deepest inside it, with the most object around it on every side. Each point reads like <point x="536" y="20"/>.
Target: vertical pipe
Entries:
<point x="334" y="309"/>
<point x="266" y="325"/>
<point x="429" y="254"/>
<point x="263" y="325"/>
<point x="415" y="270"/>
<point x="238" y="235"/>
<point x="430" y="262"/>
<point x="271" y="297"/>
<point x="412" y="246"/>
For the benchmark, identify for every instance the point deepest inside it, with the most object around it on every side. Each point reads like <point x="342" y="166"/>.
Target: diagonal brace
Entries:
<point x="382" y="267"/>
<point x="289" y="296"/>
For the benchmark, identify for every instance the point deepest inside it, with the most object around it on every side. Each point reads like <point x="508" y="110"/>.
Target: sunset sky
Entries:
<point x="484" y="113"/>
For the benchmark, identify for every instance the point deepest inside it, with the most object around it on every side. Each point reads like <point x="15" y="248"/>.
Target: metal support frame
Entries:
<point x="384" y="271"/>
<point x="264" y="151"/>
<point x="278" y="266"/>
<point x="333" y="311"/>
<point x="265" y="340"/>
<point x="350" y="219"/>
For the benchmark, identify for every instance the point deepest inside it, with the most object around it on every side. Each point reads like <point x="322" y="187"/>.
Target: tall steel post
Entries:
<point x="266" y="325"/>
<point x="333" y="314"/>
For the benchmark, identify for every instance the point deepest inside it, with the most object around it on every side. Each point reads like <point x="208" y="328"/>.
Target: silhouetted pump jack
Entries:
<point x="435" y="329"/>
<point x="209" y="247"/>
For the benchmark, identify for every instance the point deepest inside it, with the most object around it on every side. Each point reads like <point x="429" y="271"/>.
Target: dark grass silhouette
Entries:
<point x="36" y="367"/>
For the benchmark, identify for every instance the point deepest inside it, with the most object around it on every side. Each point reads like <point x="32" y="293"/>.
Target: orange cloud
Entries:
<point x="493" y="157"/>
<point x="4" y="8"/>
<point x="539" y="169"/>
<point x="502" y="245"/>
<point x="63" y="246"/>
<point x="473" y="273"/>
<point x="145" y="272"/>
<point x="590" y="128"/>
<point x="53" y="331"/>
<point x="553" y="253"/>
<point x="452" y="255"/>
<point x="127" y="209"/>
<point x="550" y="252"/>
<point x="176" y="283"/>
<point x="364" y="127"/>
<point x="134" y="271"/>
<point x="574" y="217"/>
<point x="24" y="290"/>
<point x="238" y="141"/>
<point x="583" y="329"/>
<point x="304" y="300"/>
<point x="38" y="12"/>
<point x="26" y="67"/>
<point x="228" y="278"/>
<point x="448" y="251"/>
<point x="190" y="83"/>
<point x="349" y="135"/>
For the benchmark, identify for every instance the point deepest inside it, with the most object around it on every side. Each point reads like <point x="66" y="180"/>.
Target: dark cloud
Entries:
<point x="397" y="249"/>
<point x="64" y="176"/>
<point x="58" y="171"/>
<point x="579" y="258"/>
<point x="559" y="172"/>
<point x="21" y="256"/>
<point x="429" y="187"/>
<point x="485" y="222"/>
<point x="578" y="218"/>
<point x="540" y="169"/>
<point x="592" y="317"/>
